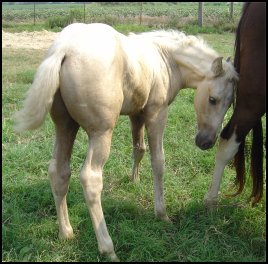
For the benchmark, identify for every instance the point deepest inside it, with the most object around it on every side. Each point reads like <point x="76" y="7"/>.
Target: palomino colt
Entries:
<point x="91" y="75"/>
<point x="250" y="62"/>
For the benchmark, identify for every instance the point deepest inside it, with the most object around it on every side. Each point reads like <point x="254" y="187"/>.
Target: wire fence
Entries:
<point x="171" y="14"/>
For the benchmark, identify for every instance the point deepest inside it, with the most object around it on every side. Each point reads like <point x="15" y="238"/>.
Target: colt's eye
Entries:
<point x="212" y="100"/>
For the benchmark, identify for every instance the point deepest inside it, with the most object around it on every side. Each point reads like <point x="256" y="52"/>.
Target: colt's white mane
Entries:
<point x="190" y="51"/>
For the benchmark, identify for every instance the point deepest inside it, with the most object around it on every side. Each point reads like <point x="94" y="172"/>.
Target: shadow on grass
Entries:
<point x="29" y="227"/>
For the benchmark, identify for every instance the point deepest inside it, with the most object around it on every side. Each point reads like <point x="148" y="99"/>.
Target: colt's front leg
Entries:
<point x="225" y="152"/>
<point x="155" y="125"/>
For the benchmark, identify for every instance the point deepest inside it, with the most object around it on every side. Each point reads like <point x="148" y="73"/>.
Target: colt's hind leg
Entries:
<point x="225" y="152"/>
<point x="137" y="126"/>
<point x="155" y="126"/>
<point x="91" y="179"/>
<point x="59" y="169"/>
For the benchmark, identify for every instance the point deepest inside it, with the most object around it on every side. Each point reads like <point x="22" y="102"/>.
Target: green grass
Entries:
<point x="234" y="232"/>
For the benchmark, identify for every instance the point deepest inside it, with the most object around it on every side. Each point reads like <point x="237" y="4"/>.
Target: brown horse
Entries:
<point x="250" y="51"/>
<point x="91" y="75"/>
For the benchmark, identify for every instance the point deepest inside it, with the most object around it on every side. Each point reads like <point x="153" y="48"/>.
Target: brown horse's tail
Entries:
<point x="239" y="163"/>
<point x="256" y="166"/>
<point x="41" y="94"/>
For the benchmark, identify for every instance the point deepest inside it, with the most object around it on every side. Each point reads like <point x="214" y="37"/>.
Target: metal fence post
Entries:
<point x="200" y="13"/>
<point x="141" y="14"/>
<point x="231" y="9"/>
<point x="84" y="12"/>
<point x="34" y="13"/>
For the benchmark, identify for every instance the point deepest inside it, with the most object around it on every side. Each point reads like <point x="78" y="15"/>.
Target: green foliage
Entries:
<point x="75" y="15"/>
<point x="59" y="22"/>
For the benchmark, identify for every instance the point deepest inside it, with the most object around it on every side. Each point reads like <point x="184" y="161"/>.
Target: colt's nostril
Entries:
<point x="203" y="142"/>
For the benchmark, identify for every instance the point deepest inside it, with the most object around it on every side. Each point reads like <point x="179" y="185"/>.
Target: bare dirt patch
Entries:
<point x="28" y="40"/>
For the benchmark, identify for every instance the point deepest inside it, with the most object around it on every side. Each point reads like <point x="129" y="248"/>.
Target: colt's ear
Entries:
<point x="217" y="66"/>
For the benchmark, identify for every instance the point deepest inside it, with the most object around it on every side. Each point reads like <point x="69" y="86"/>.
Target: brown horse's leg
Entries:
<point x="59" y="169"/>
<point x="91" y="179"/>
<point x="225" y="152"/>
<point x="155" y="125"/>
<point x="137" y="127"/>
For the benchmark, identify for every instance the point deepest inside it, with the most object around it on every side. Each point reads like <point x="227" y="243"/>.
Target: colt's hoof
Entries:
<point x="113" y="257"/>
<point x="68" y="234"/>
<point x="211" y="204"/>
<point x="135" y="179"/>
<point x="164" y="218"/>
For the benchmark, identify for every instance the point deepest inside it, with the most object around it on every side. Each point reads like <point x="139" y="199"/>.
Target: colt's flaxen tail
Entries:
<point x="40" y="95"/>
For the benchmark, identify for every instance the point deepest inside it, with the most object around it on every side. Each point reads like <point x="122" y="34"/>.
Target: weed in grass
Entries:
<point x="25" y="77"/>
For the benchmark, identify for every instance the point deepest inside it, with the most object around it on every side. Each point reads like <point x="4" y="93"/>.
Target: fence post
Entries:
<point x="84" y="12"/>
<point x="231" y="9"/>
<point x="200" y="13"/>
<point x="141" y="14"/>
<point x="34" y="13"/>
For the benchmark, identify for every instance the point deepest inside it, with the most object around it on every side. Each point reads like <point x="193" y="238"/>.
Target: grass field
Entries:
<point x="234" y="232"/>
